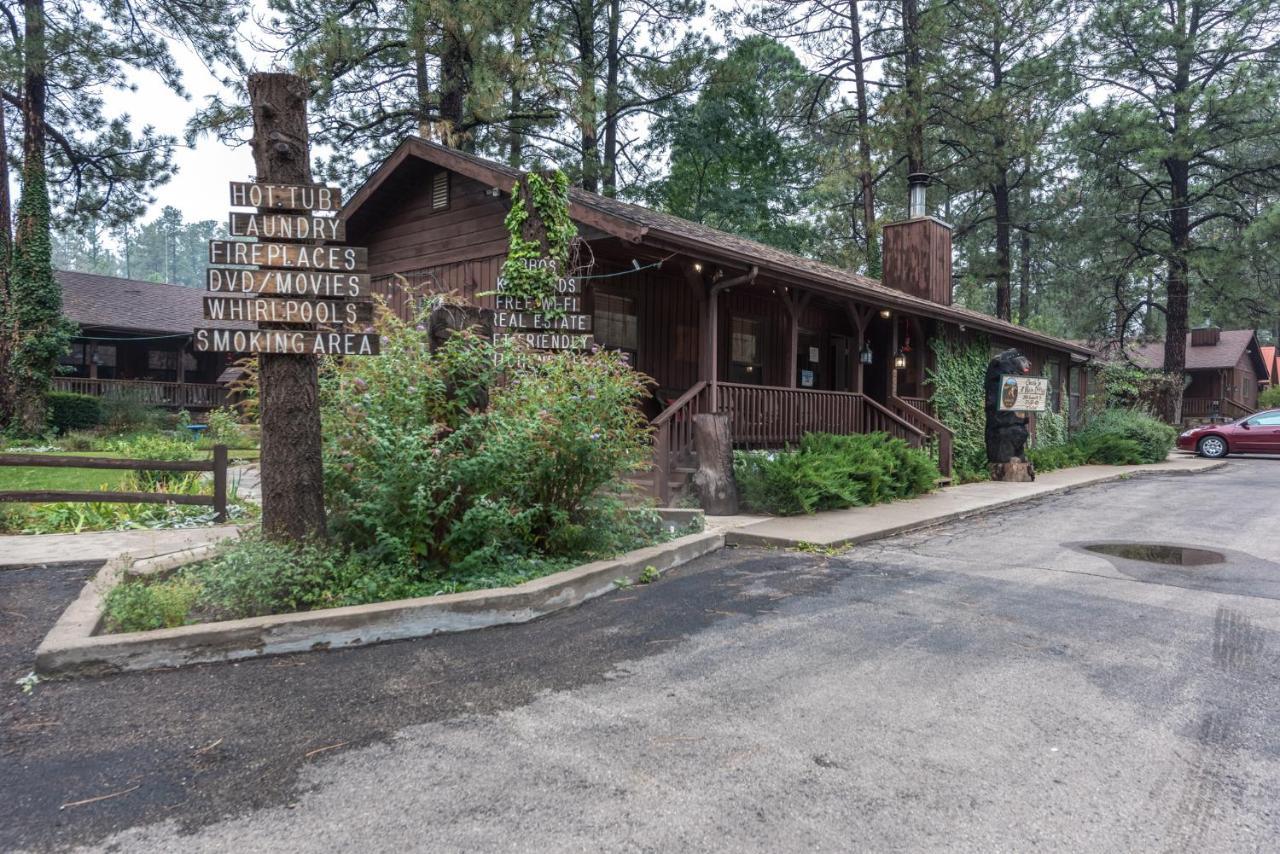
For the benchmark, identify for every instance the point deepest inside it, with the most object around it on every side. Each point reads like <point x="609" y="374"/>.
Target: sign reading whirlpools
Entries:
<point x="285" y="275"/>
<point x="1024" y="394"/>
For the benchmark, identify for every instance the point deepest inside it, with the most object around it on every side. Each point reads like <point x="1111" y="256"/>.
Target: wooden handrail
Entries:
<point x="902" y="422"/>
<point x="1244" y="411"/>
<point x="946" y="436"/>
<point x="678" y="404"/>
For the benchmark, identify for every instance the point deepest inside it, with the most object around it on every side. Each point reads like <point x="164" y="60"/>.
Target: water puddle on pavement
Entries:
<point x="1157" y="553"/>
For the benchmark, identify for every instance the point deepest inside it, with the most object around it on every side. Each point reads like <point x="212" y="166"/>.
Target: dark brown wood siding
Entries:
<point x="917" y="259"/>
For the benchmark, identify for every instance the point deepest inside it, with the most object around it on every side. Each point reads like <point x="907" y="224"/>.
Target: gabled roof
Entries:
<point x="637" y="224"/>
<point x="129" y="305"/>
<point x="1232" y="344"/>
<point x="1273" y="370"/>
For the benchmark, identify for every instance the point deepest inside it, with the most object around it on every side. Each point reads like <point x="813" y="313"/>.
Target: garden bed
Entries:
<point x="76" y="645"/>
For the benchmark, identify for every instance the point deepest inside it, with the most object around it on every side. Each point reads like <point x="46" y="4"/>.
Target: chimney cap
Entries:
<point x="919" y="178"/>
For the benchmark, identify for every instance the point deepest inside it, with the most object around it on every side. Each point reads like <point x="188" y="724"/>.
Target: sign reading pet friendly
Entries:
<point x="1024" y="394"/>
<point x="288" y="273"/>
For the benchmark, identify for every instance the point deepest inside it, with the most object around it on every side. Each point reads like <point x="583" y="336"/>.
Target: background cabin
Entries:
<point x="1227" y="369"/>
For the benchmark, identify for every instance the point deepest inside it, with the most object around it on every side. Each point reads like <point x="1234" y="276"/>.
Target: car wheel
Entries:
<point x="1212" y="447"/>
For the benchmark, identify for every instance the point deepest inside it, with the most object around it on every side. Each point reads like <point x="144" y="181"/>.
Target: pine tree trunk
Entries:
<point x="865" y="178"/>
<point x="612" y="102"/>
<point x="914" y="73"/>
<point x="587" y="112"/>
<point x="1024" y="279"/>
<point x="1004" y="264"/>
<point x="8" y="327"/>
<point x="455" y="88"/>
<point x="292" y="475"/>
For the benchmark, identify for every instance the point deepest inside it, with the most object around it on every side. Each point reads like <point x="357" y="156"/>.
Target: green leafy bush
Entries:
<point x="1051" y="429"/>
<point x="421" y="469"/>
<point x="225" y="429"/>
<point x="68" y="411"/>
<point x="153" y="446"/>
<point x="829" y="472"/>
<point x="138" y="605"/>
<point x="1269" y="398"/>
<point x="1152" y="437"/>
<point x="957" y="377"/>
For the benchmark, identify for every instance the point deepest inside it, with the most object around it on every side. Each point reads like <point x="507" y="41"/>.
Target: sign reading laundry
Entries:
<point x="294" y="283"/>
<point x="347" y="259"/>
<point x="268" y="310"/>
<point x="293" y="197"/>
<point x="288" y="227"/>
<point x="286" y="341"/>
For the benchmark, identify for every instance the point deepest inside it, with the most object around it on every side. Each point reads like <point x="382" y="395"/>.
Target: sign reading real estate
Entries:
<point x="287" y="272"/>
<point x="545" y="323"/>
<point x="287" y="341"/>
<point x="1024" y="394"/>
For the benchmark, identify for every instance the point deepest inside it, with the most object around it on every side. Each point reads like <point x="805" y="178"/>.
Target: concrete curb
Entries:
<point x="72" y="648"/>
<point x="744" y="536"/>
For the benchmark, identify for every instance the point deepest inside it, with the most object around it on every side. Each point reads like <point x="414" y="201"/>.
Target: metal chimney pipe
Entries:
<point x="916" y="184"/>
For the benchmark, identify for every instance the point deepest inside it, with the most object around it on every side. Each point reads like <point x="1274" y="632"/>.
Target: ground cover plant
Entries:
<point x="830" y="472"/>
<point x="1113" y="437"/>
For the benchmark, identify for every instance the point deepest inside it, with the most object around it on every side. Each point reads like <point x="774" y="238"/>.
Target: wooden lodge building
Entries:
<point x="1226" y="368"/>
<point x="783" y="344"/>
<point x="135" y="340"/>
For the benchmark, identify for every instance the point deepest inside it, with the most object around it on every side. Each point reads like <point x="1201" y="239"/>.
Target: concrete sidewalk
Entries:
<point x="37" y="549"/>
<point x="859" y="524"/>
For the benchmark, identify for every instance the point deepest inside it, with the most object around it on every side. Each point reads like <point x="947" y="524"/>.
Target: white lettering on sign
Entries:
<point x="287" y="227"/>
<point x="305" y="284"/>
<point x="268" y="310"/>
<point x="295" y="197"/>
<point x="241" y="253"/>
<point x="286" y="341"/>
<point x="539" y="320"/>
<point x="548" y="340"/>
<point x="566" y="305"/>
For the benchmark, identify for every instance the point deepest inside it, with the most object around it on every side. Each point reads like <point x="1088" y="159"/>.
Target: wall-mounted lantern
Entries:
<point x="900" y="361"/>
<point x="866" y="356"/>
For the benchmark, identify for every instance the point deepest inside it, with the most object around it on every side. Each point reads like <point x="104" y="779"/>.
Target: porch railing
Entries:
<point x="769" y="417"/>
<point x="914" y="410"/>
<point x="673" y="436"/>
<point x="152" y="393"/>
<point x="1203" y="407"/>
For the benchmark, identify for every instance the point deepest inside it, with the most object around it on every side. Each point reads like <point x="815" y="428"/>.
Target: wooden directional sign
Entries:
<point x="286" y="341"/>
<point x="292" y="256"/>
<point x="566" y="305"/>
<point x="300" y="283"/>
<point x="291" y="197"/>
<point x="268" y="310"/>
<point x="288" y="227"/>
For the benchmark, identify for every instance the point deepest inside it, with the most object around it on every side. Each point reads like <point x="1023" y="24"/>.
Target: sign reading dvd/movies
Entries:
<point x="285" y="274"/>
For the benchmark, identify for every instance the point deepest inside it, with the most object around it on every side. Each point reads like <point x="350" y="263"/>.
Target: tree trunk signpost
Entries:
<point x="307" y="296"/>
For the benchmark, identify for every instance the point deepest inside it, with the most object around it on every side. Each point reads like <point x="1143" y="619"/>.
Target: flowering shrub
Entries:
<point x="448" y="462"/>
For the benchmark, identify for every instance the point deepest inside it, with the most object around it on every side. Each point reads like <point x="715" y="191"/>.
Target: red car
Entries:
<point x="1257" y="434"/>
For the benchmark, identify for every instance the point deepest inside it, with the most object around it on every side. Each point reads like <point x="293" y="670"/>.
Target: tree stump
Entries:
<point x="1013" y="472"/>
<point x="714" y="482"/>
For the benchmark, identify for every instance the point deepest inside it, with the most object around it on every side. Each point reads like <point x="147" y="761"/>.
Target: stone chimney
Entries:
<point x="917" y="251"/>
<point x="1205" y="336"/>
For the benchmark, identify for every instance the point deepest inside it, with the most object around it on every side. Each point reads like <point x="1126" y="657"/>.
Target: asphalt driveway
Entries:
<point x="988" y="685"/>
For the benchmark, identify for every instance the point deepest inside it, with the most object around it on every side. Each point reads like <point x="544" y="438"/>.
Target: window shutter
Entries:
<point x="440" y="190"/>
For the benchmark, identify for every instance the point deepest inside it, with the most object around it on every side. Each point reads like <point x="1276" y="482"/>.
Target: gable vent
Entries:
<point x="440" y="190"/>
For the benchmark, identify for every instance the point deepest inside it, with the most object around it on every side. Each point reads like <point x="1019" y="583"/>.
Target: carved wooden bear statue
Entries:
<point x="1007" y="432"/>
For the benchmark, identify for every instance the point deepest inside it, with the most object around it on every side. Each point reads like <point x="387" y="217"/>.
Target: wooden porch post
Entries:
<point x="711" y="345"/>
<point x="893" y="354"/>
<point x="794" y="303"/>
<point x="859" y="318"/>
<point x="92" y="358"/>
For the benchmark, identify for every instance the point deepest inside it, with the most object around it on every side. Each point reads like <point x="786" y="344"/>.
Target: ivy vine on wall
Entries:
<point x="541" y="240"/>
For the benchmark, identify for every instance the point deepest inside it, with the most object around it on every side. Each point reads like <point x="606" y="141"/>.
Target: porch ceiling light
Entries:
<point x="697" y="265"/>
<point x="885" y="313"/>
